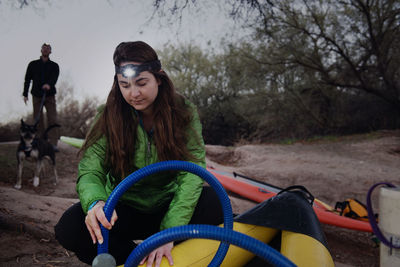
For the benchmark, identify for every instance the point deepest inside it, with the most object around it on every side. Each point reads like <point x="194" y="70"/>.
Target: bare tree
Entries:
<point x="350" y="45"/>
<point x="20" y="4"/>
<point x="75" y="116"/>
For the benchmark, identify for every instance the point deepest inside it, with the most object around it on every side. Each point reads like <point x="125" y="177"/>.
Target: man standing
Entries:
<point x="44" y="74"/>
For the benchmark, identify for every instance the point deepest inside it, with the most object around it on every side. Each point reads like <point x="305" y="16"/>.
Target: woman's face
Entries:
<point x="141" y="91"/>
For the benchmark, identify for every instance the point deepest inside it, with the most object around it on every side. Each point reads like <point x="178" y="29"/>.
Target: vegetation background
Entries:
<point x="307" y="68"/>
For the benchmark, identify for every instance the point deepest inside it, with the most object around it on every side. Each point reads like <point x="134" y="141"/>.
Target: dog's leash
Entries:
<point x="41" y="107"/>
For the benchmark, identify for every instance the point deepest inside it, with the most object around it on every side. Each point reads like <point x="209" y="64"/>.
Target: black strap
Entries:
<point x="41" y="107"/>
<point x="341" y="206"/>
<point x="301" y="189"/>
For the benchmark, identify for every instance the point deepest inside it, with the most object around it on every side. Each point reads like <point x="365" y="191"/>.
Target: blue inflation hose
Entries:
<point x="209" y="232"/>
<point x="134" y="177"/>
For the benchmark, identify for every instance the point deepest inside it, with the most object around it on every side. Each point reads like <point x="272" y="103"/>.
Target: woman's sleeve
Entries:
<point x="92" y="175"/>
<point x="189" y="185"/>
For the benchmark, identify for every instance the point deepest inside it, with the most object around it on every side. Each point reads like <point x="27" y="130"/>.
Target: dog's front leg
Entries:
<point x="37" y="172"/>
<point x="20" y="158"/>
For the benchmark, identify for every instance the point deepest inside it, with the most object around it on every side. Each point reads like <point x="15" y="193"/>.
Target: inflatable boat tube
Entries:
<point x="286" y="222"/>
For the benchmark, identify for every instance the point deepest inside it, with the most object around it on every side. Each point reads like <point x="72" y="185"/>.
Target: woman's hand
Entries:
<point x="158" y="253"/>
<point x="96" y="215"/>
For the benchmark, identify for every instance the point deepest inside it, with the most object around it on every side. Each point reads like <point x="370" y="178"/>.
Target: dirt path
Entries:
<point x="332" y="171"/>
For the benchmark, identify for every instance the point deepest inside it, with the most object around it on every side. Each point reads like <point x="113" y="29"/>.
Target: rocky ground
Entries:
<point x="331" y="170"/>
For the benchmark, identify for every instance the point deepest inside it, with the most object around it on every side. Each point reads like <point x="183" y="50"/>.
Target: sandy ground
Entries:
<point x="331" y="171"/>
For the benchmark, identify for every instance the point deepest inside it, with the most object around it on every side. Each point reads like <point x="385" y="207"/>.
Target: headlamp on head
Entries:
<point x="133" y="70"/>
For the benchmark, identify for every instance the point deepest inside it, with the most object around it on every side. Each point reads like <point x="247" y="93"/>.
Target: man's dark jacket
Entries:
<point x="41" y="72"/>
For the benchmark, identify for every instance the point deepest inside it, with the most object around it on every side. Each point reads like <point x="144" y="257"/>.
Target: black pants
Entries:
<point x="72" y="234"/>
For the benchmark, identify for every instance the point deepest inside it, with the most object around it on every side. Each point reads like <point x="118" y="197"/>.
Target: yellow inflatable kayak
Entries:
<point x="286" y="222"/>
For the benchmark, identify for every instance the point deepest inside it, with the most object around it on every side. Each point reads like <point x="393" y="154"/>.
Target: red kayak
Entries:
<point x="258" y="192"/>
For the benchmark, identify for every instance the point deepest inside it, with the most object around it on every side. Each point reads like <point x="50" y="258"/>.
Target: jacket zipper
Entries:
<point x="148" y="151"/>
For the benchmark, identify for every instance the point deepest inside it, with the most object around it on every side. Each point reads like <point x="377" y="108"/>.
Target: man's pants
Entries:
<point x="51" y="113"/>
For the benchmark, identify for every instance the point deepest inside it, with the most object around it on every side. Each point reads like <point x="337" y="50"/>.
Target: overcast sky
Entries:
<point x="83" y="35"/>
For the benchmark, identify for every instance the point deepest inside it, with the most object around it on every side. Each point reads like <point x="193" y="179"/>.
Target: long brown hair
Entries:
<point x="118" y="123"/>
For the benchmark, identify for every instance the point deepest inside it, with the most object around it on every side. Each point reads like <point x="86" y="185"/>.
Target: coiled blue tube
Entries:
<point x="168" y="166"/>
<point x="209" y="232"/>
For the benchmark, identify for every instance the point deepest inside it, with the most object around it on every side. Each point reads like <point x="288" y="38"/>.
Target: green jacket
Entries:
<point x="182" y="190"/>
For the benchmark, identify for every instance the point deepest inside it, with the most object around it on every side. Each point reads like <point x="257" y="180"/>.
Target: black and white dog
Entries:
<point x="32" y="147"/>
